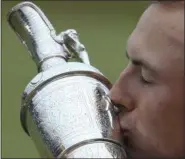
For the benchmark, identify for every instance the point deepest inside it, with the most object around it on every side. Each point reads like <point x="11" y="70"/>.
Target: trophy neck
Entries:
<point x="37" y="34"/>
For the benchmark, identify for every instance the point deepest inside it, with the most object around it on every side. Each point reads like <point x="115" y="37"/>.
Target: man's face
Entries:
<point x="152" y="85"/>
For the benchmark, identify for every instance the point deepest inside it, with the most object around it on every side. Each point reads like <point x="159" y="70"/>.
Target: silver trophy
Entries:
<point x="65" y="107"/>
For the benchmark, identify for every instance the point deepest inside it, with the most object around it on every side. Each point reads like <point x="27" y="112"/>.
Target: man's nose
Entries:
<point x="120" y="93"/>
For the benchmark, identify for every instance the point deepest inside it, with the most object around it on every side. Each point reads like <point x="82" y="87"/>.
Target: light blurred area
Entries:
<point x="103" y="28"/>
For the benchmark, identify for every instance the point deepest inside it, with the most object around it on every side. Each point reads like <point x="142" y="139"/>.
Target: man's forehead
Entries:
<point x="159" y="36"/>
<point x="166" y="17"/>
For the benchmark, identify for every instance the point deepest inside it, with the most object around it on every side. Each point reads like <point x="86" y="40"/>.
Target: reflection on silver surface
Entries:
<point x="65" y="108"/>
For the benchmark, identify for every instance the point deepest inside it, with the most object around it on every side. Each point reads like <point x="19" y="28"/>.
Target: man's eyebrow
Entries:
<point x="142" y="63"/>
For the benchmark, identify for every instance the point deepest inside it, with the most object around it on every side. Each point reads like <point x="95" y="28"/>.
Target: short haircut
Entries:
<point x="169" y="4"/>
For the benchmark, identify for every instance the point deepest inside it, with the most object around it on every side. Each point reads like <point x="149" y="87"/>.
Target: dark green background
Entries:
<point x="103" y="27"/>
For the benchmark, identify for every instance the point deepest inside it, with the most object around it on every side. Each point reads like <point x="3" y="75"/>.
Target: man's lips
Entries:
<point x="124" y="132"/>
<point x="121" y="112"/>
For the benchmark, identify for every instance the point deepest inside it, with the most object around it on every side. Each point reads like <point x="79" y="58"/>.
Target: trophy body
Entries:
<point x="69" y="112"/>
<point x="65" y="108"/>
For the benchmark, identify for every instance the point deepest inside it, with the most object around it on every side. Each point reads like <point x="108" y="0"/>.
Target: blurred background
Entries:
<point x="103" y="28"/>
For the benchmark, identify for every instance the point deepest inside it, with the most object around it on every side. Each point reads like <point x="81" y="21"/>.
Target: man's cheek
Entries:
<point x="152" y="112"/>
<point x="148" y="110"/>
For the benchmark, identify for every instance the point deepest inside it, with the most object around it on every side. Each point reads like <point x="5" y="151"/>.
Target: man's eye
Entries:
<point x="145" y="77"/>
<point x="143" y="80"/>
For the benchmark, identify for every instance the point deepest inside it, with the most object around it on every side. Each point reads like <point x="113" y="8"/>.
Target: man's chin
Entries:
<point x="134" y="154"/>
<point x="131" y="153"/>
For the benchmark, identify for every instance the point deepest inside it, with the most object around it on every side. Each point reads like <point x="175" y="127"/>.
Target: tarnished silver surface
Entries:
<point x="65" y="108"/>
